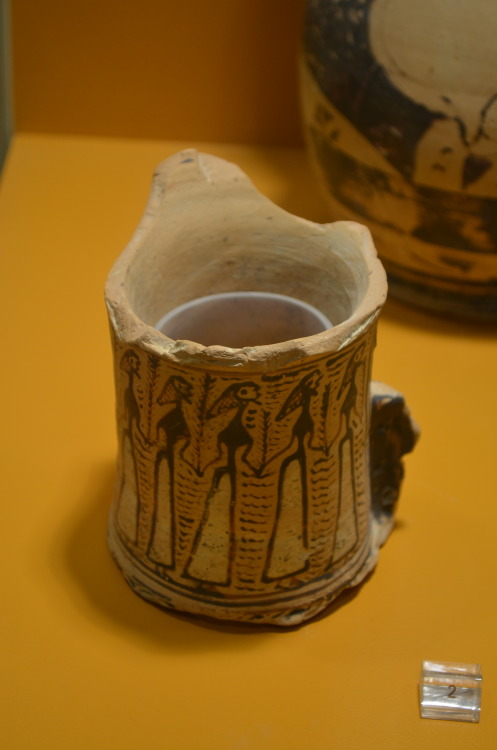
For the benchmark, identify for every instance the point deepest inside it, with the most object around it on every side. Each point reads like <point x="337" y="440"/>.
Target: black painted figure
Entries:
<point x="130" y="503"/>
<point x="239" y="398"/>
<point x="300" y="398"/>
<point x="170" y="429"/>
<point x="347" y="499"/>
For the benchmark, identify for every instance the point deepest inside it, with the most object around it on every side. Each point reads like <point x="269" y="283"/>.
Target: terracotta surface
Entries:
<point x="400" y="104"/>
<point x="88" y="664"/>
<point x="243" y="487"/>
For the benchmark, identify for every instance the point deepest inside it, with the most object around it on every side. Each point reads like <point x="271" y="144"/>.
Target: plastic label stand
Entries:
<point x="450" y="691"/>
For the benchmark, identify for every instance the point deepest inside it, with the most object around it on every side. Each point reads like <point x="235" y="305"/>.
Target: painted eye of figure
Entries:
<point x="248" y="391"/>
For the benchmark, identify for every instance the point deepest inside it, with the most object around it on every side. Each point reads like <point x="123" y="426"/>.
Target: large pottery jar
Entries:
<point x="400" y="104"/>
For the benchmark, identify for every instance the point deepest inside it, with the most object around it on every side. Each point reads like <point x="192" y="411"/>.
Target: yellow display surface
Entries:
<point x="87" y="664"/>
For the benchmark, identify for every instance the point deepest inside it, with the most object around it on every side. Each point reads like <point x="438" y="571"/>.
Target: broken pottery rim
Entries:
<point x="129" y="326"/>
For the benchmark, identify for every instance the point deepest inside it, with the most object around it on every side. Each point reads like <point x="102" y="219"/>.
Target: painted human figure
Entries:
<point x="241" y="400"/>
<point x="130" y="502"/>
<point x="237" y="433"/>
<point x="172" y="424"/>
<point x="170" y="429"/>
<point x="347" y="532"/>
<point x="300" y="398"/>
<point x="131" y="365"/>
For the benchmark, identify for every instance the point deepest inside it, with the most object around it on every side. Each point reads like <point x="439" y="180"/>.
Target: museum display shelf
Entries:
<point x="86" y="663"/>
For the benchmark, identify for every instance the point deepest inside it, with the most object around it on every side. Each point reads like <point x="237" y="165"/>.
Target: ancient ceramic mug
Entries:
<point x="248" y="488"/>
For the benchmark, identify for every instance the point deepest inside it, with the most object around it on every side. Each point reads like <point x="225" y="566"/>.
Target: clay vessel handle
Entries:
<point x="393" y="433"/>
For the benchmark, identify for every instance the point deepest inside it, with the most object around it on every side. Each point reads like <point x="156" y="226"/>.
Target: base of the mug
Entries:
<point x="288" y="609"/>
